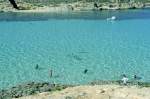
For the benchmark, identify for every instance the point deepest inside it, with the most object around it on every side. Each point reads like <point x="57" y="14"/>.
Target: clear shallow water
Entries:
<point x="70" y="45"/>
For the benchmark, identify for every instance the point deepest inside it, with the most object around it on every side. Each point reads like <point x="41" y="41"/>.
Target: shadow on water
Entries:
<point x="86" y="15"/>
<point x="75" y="57"/>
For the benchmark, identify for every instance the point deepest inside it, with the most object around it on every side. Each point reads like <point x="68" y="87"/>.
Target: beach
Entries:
<point x="96" y="92"/>
<point x="49" y="54"/>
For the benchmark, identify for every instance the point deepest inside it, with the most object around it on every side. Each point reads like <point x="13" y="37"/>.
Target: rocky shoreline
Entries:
<point x="37" y="87"/>
<point x="95" y="92"/>
<point x="30" y="89"/>
<point x="75" y="6"/>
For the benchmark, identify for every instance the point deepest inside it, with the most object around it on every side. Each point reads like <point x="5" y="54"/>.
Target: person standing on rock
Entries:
<point x="14" y="4"/>
<point x="125" y="79"/>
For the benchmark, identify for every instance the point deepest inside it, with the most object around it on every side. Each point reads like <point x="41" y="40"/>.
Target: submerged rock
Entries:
<point x="75" y="57"/>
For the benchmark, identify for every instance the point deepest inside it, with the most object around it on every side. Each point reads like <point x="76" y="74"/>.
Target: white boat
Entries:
<point x="112" y="18"/>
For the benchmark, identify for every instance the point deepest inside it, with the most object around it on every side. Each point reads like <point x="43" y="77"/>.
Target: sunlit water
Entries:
<point x="70" y="43"/>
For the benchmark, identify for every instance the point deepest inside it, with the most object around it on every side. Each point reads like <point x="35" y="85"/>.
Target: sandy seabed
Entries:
<point x="96" y="92"/>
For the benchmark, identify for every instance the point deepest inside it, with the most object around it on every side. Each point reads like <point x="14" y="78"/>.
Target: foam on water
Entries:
<point x="106" y="49"/>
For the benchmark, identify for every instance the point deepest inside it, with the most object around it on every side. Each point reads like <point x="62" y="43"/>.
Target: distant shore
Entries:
<point x="75" y="6"/>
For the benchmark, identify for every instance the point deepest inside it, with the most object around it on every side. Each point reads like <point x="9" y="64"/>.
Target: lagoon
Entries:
<point x="68" y="43"/>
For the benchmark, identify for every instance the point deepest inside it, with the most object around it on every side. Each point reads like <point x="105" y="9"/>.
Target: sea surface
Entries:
<point x="68" y="43"/>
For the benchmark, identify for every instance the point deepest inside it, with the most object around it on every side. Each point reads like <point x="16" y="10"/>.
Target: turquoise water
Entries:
<point x="70" y="45"/>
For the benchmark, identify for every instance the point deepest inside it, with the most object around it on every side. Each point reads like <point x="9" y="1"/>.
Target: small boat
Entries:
<point x="112" y="18"/>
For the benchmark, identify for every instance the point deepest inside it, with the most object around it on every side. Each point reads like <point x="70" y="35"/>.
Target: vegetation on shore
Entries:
<point x="70" y="1"/>
<point x="75" y="4"/>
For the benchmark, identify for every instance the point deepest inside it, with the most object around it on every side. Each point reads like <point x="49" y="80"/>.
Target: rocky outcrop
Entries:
<point x="34" y="88"/>
<point x="119" y="82"/>
<point x="29" y="89"/>
<point x="96" y="92"/>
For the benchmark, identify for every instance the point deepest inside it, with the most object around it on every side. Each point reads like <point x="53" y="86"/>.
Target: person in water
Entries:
<point x="85" y="71"/>
<point x="125" y="79"/>
<point x="50" y="72"/>
<point x="137" y="77"/>
<point x="37" y="66"/>
<point x="14" y="4"/>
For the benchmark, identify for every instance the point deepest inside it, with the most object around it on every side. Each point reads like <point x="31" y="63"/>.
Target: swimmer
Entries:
<point x="85" y="71"/>
<point x="137" y="77"/>
<point x="50" y="73"/>
<point x="37" y="66"/>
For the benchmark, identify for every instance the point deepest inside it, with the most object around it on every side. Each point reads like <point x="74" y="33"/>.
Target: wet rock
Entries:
<point x="45" y="88"/>
<point x="119" y="82"/>
<point x="102" y="91"/>
<point x="100" y="82"/>
<point x="18" y="94"/>
<point x="69" y="97"/>
<point x="59" y="87"/>
<point x="29" y="89"/>
<point x="143" y="84"/>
